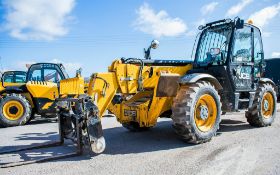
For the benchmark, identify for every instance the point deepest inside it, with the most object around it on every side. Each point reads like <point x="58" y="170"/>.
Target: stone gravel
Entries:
<point x="238" y="148"/>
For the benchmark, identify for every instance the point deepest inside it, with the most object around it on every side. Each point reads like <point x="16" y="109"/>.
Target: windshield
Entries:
<point x="216" y="38"/>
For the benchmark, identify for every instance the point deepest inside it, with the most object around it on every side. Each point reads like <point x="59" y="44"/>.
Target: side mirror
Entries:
<point x="154" y="44"/>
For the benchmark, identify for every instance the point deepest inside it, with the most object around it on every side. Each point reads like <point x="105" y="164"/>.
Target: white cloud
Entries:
<point x="262" y="17"/>
<point x="275" y="54"/>
<point x="37" y="19"/>
<point x="209" y="8"/>
<point x="158" y="24"/>
<point x="236" y="9"/>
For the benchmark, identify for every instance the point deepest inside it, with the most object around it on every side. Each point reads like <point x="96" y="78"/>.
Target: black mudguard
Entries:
<point x="195" y="77"/>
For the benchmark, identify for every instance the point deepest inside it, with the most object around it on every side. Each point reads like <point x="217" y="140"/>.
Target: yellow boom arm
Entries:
<point x="144" y="97"/>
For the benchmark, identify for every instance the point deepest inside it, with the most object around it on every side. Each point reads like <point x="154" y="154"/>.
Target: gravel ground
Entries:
<point x="237" y="149"/>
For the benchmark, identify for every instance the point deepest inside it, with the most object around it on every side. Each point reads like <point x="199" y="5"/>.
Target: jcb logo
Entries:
<point x="130" y="113"/>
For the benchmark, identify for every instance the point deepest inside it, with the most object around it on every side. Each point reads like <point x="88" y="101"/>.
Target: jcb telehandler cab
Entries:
<point x="19" y="104"/>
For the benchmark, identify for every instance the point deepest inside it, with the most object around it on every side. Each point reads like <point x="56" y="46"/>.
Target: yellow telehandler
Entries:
<point x="225" y="76"/>
<point x="19" y="102"/>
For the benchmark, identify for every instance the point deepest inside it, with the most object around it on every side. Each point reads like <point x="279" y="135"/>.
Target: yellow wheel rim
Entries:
<point x="13" y="110"/>
<point x="267" y="105"/>
<point x="205" y="113"/>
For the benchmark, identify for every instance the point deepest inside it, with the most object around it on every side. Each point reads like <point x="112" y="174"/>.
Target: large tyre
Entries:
<point x="134" y="127"/>
<point x="14" y="110"/>
<point x="196" y="112"/>
<point x="263" y="111"/>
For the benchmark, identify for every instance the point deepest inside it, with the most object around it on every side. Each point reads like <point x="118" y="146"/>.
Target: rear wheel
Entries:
<point x="196" y="112"/>
<point x="263" y="111"/>
<point x="14" y="110"/>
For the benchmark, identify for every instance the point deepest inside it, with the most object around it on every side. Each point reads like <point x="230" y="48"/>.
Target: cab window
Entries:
<point x="258" y="50"/>
<point x="36" y="75"/>
<point x="52" y="75"/>
<point x="20" y="78"/>
<point x="8" y="78"/>
<point x="45" y="72"/>
<point x="213" y="40"/>
<point x="242" y="50"/>
<point x="14" y="77"/>
<point x="258" y="53"/>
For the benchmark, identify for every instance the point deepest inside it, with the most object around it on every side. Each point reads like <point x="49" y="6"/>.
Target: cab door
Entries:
<point x="242" y="61"/>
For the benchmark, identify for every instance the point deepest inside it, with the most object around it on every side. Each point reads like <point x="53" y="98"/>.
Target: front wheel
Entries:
<point x="196" y="112"/>
<point x="14" y="110"/>
<point x="263" y="111"/>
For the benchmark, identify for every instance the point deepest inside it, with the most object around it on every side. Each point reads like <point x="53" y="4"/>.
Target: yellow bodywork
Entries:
<point x="73" y="86"/>
<point x="45" y="93"/>
<point x="140" y="104"/>
<point x="12" y="84"/>
<point x="42" y="90"/>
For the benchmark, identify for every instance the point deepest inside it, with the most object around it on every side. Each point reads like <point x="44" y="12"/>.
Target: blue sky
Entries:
<point x="90" y="34"/>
